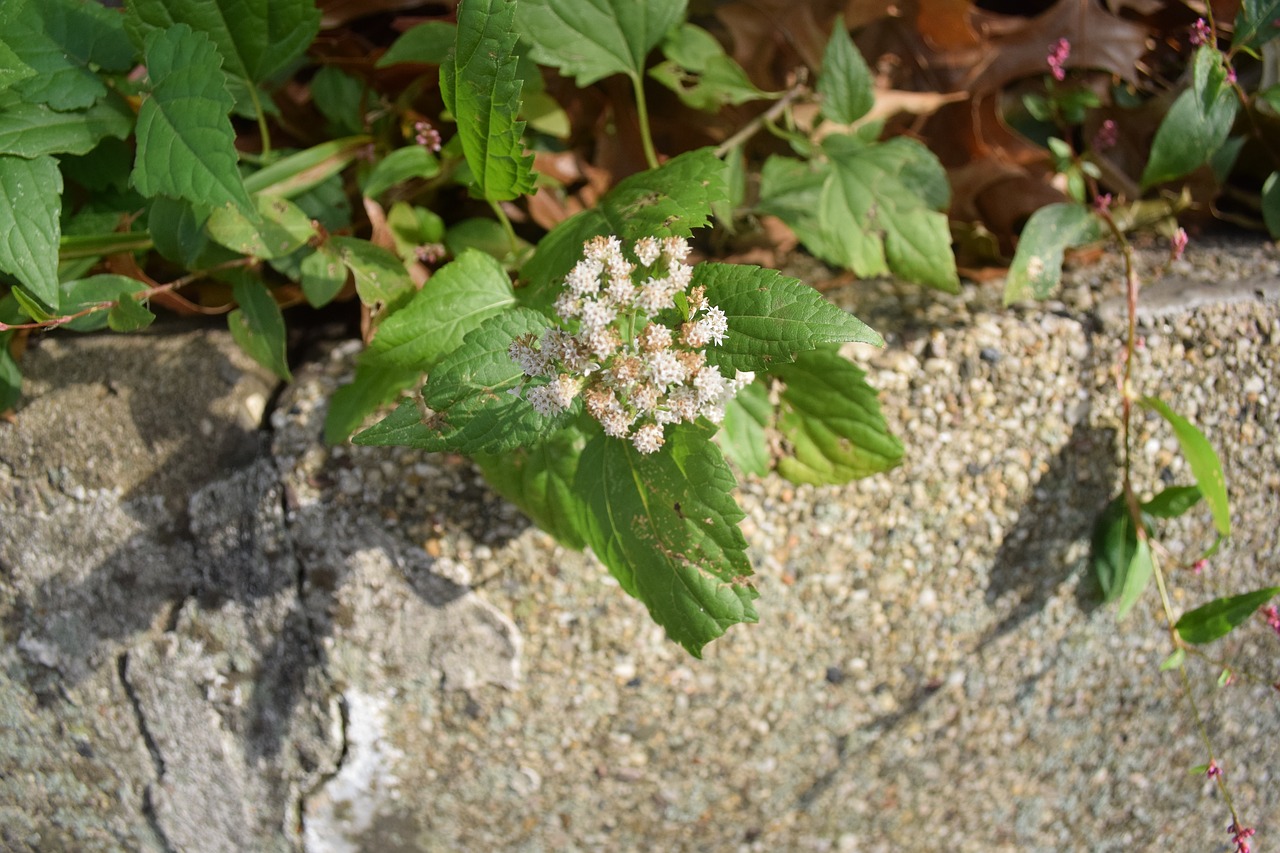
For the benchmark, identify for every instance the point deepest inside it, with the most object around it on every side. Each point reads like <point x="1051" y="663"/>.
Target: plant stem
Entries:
<point x="506" y="225"/>
<point x="263" y="130"/>
<point x="642" y="111"/>
<point x="754" y="126"/>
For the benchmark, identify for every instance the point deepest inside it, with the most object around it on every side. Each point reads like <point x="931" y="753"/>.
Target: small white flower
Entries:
<point x="616" y="423"/>
<point x="563" y="389"/>
<point x="645" y="398"/>
<point x="710" y="384"/>
<point x="584" y="278"/>
<point x="647" y="250"/>
<point x="680" y="276"/>
<point x="654" y="338"/>
<point x="648" y="438"/>
<point x="597" y="315"/>
<point x="655" y="294"/>
<point x="675" y="248"/>
<point x="543" y="401"/>
<point x="684" y="403"/>
<point x="664" y="368"/>
<point x="620" y="292"/>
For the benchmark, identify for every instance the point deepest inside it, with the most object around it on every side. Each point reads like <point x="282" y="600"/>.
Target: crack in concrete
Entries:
<point x="157" y="759"/>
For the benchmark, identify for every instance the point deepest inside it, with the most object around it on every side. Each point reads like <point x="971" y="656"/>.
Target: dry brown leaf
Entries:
<point x="382" y="238"/>
<point x="946" y="25"/>
<point x="336" y="13"/>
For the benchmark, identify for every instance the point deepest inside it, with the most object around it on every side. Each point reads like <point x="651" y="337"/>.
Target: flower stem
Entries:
<point x="642" y="112"/>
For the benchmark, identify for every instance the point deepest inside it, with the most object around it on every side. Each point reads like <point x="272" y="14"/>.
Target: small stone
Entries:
<point x="835" y="675"/>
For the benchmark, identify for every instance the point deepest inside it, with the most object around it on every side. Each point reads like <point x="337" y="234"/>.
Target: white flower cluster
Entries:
<point x="635" y="374"/>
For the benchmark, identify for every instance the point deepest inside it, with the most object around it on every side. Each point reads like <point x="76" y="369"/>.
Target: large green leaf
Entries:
<point x="186" y="145"/>
<point x="744" y="434"/>
<point x="480" y="87"/>
<point x="1204" y="463"/>
<point x="95" y="290"/>
<point x="255" y="37"/>
<point x="593" y="39"/>
<point x="673" y="199"/>
<point x="258" y="326"/>
<point x="469" y="407"/>
<point x="831" y="419"/>
<point x="1141" y="566"/>
<point x="63" y="42"/>
<point x="427" y="43"/>
<point x="1197" y="124"/>
<point x="666" y="526"/>
<point x="844" y="81"/>
<point x="372" y="388"/>
<point x="280" y="228"/>
<point x="1257" y="22"/>
<point x="30" y="204"/>
<point x="1037" y="263"/>
<point x="451" y="304"/>
<point x="1216" y="619"/>
<point x="772" y="317"/>
<point x="30" y="130"/>
<point x="891" y="191"/>
<point x="539" y="479"/>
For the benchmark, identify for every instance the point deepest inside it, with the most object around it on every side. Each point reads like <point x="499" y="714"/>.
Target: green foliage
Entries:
<point x="844" y="83"/>
<point x="481" y="89"/>
<point x="1204" y="463"/>
<point x="1216" y="619"/>
<point x="1197" y="124"/>
<point x="1257" y="23"/>
<point x="1051" y="230"/>
<point x="29" y="227"/>
<point x="699" y="71"/>
<point x="593" y="39"/>
<point x="428" y="43"/>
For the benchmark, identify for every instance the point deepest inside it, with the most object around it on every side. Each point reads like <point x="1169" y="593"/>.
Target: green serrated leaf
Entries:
<point x="844" y="82"/>
<point x="671" y="200"/>
<point x="1204" y="463"/>
<point x="256" y="37"/>
<point x="831" y="419"/>
<point x="539" y="480"/>
<point x="401" y="165"/>
<point x="469" y="405"/>
<point x="1271" y="204"/>
<point x="1216" y="619"/>
<point x="593" y="39"/>
<point x="63" y="41"/>
<point x="186" y="145"/>
<point x="743" y="436"/>
<point x="370" y="389"/>
<point x="481" y="89"/>
<point x="258" y="326"/>
<point x="1172" y="502"/>
<point x="1257" y="22"/>
<point x="322" y="275"/>
<point x="381" y="280"/>
<point x="1196" y="125"/>
<point x="1037" y="263"/>
<point x="700" y="73"/>
<point x="32" y="130"/>
<point x="30" y="205"/>
<point x="1139" y="572"/>
<point x="666" y="526"/>
<point x="1174" y="660"/>
<point x="427" y="43"/>
<point x="129" y="315"/>
<point x="453" y="302"/>
<point x="772" y="317"/>
<point x="338" y="96"/>
<point x="282" y="227"/>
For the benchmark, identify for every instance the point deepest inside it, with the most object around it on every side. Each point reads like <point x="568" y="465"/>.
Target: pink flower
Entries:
<point x="1273" y="617"/>
<point x="1239" y="836"/>
<point x="1213" y="770"/>
<point x="1199" y="566"/>
<point x="1179" y="243"/>
<point x="1057" y="59"/>
<point x="1102" y="203"/>
<point x="426" y="135"/>
<point x="1107" y="137"/>
<point x="1200" y="33"/>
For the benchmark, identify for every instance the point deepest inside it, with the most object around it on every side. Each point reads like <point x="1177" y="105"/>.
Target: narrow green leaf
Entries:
<point x="673" y="199"/>
<point x="1216" y="619"/>
<point x="32" y="130"/>
<point x="1204" y="463"/>
<point x="539" y="480"/>
<point x="403" y="164"/>
<point x="593" y="39"/>
<point x="700" y="73"/>
<point x="1141" y="567"/>
<point x="370" y="389"/>
<point x="1174" y="660"/>
<point x="1037" y="263"/>
<point x="186" y="146"/>
<point x="1114" y="546"/>
<point x="298" y="173"/>
<point x="1257" y="23"/>
<point x="380" y="277"/>
<point x="282" y="227"/>
<point x="451" y="304"/>
<point x="256" y="37"/>
<point x="1271" y="204"/>
<point x="258" y="326"/>
<point x="322" y="275"/>
<point x="480" y="87"/>
<point x="831" y="419"/>
<point x="30" y="205"/>
<point x="666" y="526"/>
<point x="10" y="375"/>
<point x="1172" y="502"/>
<point x="1196" y="125"/>
<point x="772" y="317"/>
<point x="469" y="407"/>
<point x="844" y="82"/>
<point x="31" y="306"/>
<point x="129" y="315"/>
<point x="743" y="435"/>
<point x="427" y="43"/>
